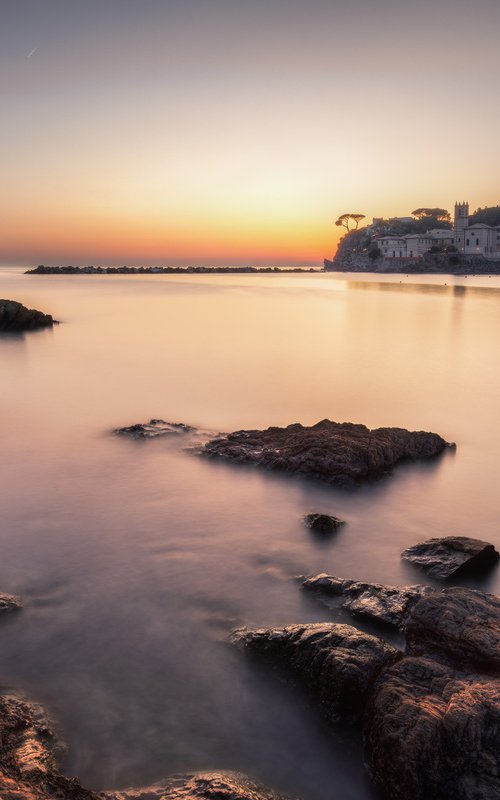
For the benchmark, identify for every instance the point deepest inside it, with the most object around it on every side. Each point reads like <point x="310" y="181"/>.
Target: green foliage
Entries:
<point x="374" y="252"/>
<point x="486" y="216"/>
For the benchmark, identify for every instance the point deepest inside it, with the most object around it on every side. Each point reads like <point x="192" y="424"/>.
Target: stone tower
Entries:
<point x="461" y="223"/>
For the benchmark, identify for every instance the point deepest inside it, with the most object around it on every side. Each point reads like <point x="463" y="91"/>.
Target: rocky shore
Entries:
<point x="430" y="716"/>
<point x="16" y="318"/>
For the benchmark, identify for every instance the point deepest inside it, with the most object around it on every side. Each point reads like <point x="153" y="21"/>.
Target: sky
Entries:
<point x="237" y="131"/>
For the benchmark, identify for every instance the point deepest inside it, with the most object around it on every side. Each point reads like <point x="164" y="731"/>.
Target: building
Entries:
<point x="475" y="239"/>
<point x="481" y="240"/>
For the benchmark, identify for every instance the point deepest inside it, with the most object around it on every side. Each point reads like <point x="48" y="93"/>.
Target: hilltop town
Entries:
<point x="428" y="241"/>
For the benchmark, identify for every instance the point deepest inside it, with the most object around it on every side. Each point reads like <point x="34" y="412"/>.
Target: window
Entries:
<point x="467" y="242"/>
<point x="477" y="242"/>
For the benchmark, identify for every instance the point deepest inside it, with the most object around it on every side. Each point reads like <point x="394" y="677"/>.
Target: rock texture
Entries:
<point x="202" y="786"/>
<point x="388" y="604"/>
<point x="16" y="317"/>
<point x="451" y="556"/>
<point x="337" y="663"/>
<point x="342" y="454"/>
<point x="433" y="733"/>
<point x="153" y="428"/>
<point x="458" y="626"/>
<point x="9" y="603"/>
<point x="28" y="770"/>
<point x="323" y="523"/>
<point x="431" y="717"/>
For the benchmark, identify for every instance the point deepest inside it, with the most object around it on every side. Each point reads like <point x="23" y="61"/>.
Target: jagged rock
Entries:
<point x="337" y="663"/>
<point x="201" y="786"/>
<point x="153" y="428"/>
<point x="28" y="770"/>
<point x="16" y="317"/>
<point x="376" y="601"/>
<point x="433" y="733"/>
<point x="342" y="454"/>
<point x="323" y="523"/>
<point x="9" y="603"/>
<point x="459" y="626"/>
<point x="451" y="556"/>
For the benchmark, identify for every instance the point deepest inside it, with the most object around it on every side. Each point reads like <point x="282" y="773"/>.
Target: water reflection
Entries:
<point x="136" y="559"/>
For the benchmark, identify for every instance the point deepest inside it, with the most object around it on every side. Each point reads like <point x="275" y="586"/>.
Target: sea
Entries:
<point x="136" y="559"/>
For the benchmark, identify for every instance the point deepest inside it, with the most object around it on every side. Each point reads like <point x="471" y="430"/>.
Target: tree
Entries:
<point x="439" y="214"/>
<point x="343" y="220"/>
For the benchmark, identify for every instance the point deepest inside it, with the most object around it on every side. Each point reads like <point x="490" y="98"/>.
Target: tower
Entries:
<point x="461" y="222"/>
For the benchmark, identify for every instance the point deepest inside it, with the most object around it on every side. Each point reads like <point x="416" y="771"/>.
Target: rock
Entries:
<point x="28" y="770"/>
<point x="16" y="317"/>
<point x="153" y="428"/>
<point x="375" y="601"/>
<point x="432" y="733"/>
<point x="9" y="603"/>
<point x="323" y="523"/>
<point x="337" y="663"/>
<point x="341" y="454"/>
<point x="201" y="786"/>
<point x="451" y="556"/>
<point x="459" y="626"/>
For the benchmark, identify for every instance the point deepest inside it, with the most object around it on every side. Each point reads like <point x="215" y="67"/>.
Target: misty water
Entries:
<point x="135" y="559"/>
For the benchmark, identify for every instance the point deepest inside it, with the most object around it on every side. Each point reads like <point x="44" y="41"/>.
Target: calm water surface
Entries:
<point x="135" y="559"/>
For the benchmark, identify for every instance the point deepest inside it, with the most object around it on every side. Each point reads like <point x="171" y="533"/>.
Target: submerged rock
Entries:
<point x="375" y="601"/>
<point x="323" y="523"/>
<point x="451" y="556"/>
<point x="433" y="733"/>
<point x="9" y="603"/>
<point x="459" y="626"/>
<point x="337" y="663"/>
<point x="342" y="454"/>
<point x="16" y="317"/>
<point x="153" y="428"/>
<point x="200" y="786"/>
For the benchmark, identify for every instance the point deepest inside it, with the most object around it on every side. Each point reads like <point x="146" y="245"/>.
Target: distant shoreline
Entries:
<point x="91" y="270"/>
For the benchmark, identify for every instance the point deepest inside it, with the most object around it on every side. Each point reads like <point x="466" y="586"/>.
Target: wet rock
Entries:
<point x="323" y="523"/>
<point x="153" y="428"/>
<point x="434" y="733"/>
<point x="451" y="556"/>
<point x="9" y="603"/>
<point x="388" y="604"/>
<point x="27" y="766"/>
<point x="28" y="770"/>
<point x="341" y="454"/>
<point x="337" y="663"/>
<point x="458" y="626"/>
<point x="201" y="786"/>
<point x="16" y="317"/>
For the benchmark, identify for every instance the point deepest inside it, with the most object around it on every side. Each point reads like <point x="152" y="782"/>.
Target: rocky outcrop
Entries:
<point x="16" y="318"/>
<point x="338" y="664"/>
<point x="154" y="428"/>
<point x="458" y="626"/>
<point x="341" y="454"/>
<point x="378" y="602"/>
<point x="202" y="786"/>
<point x="323" y="523"/>
<point x="9" y="603"/>
<point x="431" y="717"/>
<point x="451" y="556"/>
<point x="434" y="733"/>
<point x="28" y="769"/>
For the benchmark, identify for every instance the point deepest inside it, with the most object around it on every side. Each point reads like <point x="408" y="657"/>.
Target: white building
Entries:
<point x="480" y="239"/>
<point x="475" y="239"/>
